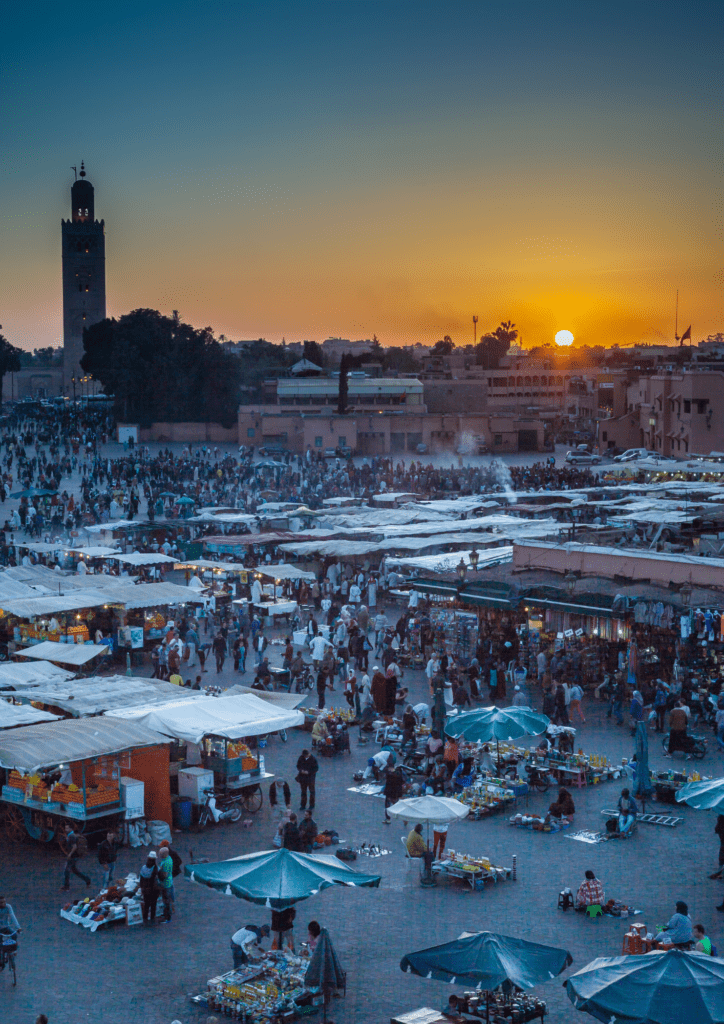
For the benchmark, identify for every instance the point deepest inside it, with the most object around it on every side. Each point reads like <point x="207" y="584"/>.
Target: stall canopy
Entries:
<point x="149" y="595"/>
<point x="14" y="674"/>
<point x="54" y="743"/>
<point x="285" y="572"/>
<point x="96" y="694"/>
<point x="65" y="654"/>
<point x="205" y="563"/>
<point x="230" y="717"/>
<point x="143" y="558"/>
<point x="32" y="607"/>
<point x="281" y="700"/>
<point x="12" y="715"/>
<point x="99" y="551"/>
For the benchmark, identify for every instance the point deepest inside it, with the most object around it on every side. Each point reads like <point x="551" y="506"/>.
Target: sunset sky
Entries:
<point x="302" y="170"/>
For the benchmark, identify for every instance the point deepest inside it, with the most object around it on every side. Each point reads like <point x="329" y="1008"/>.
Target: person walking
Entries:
<point x="719" y="830"/>
<point x="107" y="853"/>
<point x="219" y="649"/>
<point x="307" y="768"/>
<point x="575" y="703"/>
<point x="76" y="845"/>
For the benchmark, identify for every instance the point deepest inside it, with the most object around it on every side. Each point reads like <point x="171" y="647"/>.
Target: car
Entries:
<point x="582" y="459"/>
<point x="343" y="451"/>
<point x="330" y="453"/>
<point x="630" y="454"/>
<point x="273" y="451"/>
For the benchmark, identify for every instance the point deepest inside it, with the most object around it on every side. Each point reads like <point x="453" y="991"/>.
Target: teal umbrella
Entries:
<point x="705" y="795"/>
<point x="661" y="988"/>
<point x="642" y="782"/>
<point x="32" y="492"/>
<point x="487" y="961"/>
<point x="277" y="878"/>
<point x="185" y="501"/>
<point x="485" y="724"/>
<point x="324" y="971"/>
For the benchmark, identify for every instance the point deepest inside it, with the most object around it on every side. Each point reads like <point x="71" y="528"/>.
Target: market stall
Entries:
<point x="220" y="735"/>
<point x="269" y="986"/>
<point x="80" y="771"/>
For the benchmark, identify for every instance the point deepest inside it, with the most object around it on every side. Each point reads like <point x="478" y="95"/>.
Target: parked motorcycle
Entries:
<point x="538" y="778"/>
<point x="217" y="808"/>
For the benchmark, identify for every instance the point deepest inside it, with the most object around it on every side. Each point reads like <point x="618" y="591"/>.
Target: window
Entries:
<point x="318" y="442"/>
<point x="250" y="432"/>
<point x="701" y="404"/>
<point x="687" y="405"/>
<point x="498" y="439"/>
<point x="342" y="442"/>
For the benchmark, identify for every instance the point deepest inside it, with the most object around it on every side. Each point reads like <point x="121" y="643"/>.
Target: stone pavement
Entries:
<point x="141" y="976"/>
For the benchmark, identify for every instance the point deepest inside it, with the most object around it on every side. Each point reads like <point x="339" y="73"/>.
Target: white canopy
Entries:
<point x="149" y="595"/>
<point x="98" y="551"/>
<point x="75" y="739"/>
<point x="285" y="572"/>
<point x="448" y="562"/>
<point x="205" y="563"/>
<point x="96" y="694"/>
<point x="143" y="558"/>
<point x="14" y="674"/>
<point x="12" y="715"/>
<point x="32" y="607"/>
<point x="231" y="717"/>
<point x="65" y="654"/>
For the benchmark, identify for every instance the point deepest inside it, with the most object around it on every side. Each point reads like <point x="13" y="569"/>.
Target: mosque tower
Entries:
<point x="84" y="277"/>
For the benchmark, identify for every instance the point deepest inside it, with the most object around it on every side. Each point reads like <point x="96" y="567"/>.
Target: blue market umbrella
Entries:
<point x="706" y="795"/>
<point x="185" y="501"/>
<point x="660" y="988"/>
<point x="488" y="960"/>
<point x="277" y="878"/>
<point x="32" y="492"/>
<point x="324" y="971"/>
<point x="642" y="782"/>
<point x="485" y="724"/>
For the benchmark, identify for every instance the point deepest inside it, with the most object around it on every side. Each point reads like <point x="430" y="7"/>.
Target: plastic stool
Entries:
<point x="565" y="900"/>
<point x="594" y="910"/>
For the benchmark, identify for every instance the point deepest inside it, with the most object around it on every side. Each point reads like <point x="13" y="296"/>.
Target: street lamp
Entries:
<point x="461" y="569"/>
<point x="685" y="592"/>
<point x="474" y="559"/>
<point x="570" y="580"/>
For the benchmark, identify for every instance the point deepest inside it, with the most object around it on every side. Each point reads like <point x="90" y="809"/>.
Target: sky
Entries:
<point x="306" y="170"/>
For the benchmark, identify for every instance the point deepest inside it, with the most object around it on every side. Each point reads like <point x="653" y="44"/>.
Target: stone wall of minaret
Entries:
<point x="84" y="277"/>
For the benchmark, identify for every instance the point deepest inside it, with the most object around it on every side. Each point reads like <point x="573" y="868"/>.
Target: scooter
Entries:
<point x="212" y="813"/>
<point x="697" y="746"/>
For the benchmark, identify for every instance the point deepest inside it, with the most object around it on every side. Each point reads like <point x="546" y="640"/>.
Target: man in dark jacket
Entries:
<point x="307" y="768"/>
<point x="394" y="785"/>
<point x="290" y="836"/>
<point x="308" y="831"/>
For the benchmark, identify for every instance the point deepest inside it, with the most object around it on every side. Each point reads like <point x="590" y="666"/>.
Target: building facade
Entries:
<point x="84" y="277"/>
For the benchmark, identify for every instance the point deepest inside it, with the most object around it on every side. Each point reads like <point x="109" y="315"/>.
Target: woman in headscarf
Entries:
<point x="320" y="732"/>
<point x="390" y="690"/>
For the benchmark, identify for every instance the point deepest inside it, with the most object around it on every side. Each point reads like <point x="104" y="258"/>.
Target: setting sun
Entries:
<point x="564" y="338"/>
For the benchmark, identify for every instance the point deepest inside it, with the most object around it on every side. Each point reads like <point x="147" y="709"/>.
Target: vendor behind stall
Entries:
<point x="416" y="845"/>
<point x="245" y="941"/>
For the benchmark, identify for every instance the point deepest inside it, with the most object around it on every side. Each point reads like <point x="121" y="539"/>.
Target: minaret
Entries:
<point x="84" y="277"/>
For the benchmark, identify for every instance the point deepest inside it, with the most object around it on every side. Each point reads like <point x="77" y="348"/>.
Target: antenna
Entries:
<point x="75" y="171"/>
<point x="475" y="331"/>
<point x="676" y="328"/>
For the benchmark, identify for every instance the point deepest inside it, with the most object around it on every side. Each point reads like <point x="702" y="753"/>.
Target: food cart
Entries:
<point x="219" y="734"/>
<point x="79" y="772"/>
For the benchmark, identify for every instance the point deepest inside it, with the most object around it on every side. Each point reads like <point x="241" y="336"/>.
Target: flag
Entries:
<point x="686" y="334"/>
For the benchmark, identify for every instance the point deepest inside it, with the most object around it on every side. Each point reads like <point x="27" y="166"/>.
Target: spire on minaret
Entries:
<point x="82" y="169"/>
